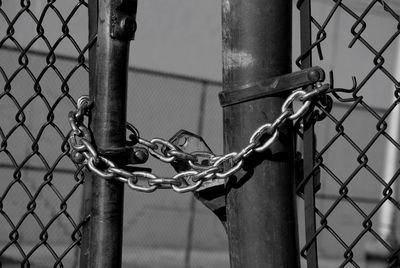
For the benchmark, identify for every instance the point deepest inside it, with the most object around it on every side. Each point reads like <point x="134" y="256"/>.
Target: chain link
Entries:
<point x="204" y="166"/>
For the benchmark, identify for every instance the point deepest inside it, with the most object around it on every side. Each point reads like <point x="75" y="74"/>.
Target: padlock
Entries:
<point x="212" y="192"/>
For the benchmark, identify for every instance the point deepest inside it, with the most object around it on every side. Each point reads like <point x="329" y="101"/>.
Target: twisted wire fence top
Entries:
<point x="39" y="197"/>
<point x="358" y="41"/>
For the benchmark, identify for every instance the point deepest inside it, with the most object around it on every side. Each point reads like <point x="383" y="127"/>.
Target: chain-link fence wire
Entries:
<point x="158" y="230"/>
<point x="156" y="226"/>
<point x="41" y="197"/>
<point x="357" y="207"/>
<point x="40" y="188"/>
<point x="43" y="51"/>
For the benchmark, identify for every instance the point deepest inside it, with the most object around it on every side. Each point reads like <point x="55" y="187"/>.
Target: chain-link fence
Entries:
<point x="40" y="187"/>
<point x="159" y="230"/>
<point x="44" y="70"/>
<point x="357" y="207"/>
<point x="158" y="226"/>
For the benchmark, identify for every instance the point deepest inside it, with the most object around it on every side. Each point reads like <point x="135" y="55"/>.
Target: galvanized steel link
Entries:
<point x="84" y="152"/>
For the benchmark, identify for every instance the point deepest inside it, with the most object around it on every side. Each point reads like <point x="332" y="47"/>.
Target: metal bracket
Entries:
<point x="123" y="20"/>
<point x="125" y="155"/>
<point x="272" y="86"/>
<point x="299" y="175"/>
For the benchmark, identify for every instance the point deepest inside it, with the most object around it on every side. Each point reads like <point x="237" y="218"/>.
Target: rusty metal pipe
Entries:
<point x="261" y="208"/>
<point x="115" y="28"/>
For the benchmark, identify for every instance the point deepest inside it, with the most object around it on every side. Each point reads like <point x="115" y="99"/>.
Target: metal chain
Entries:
<point x="84" y="152"/>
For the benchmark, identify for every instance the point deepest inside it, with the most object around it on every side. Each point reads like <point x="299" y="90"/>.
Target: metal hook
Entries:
<point x="345" y="90"/>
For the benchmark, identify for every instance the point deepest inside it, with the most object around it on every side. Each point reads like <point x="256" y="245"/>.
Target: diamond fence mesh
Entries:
<point x="357" y="207"/>
<point x="40" y="187"/>
<point x="44" y="70"/>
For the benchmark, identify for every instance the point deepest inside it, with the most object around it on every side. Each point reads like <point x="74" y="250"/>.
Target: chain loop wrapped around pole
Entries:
<point x="204" y="166"/>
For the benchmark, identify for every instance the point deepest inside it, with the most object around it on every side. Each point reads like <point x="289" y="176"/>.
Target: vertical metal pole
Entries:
<point x="391" y="159"/>
<point x="108" y="124"/>
<point x="377" y="254"/>
<point x="87" y="189"/>
<point x="308" y="142"/>
<point x="261" y="204"/>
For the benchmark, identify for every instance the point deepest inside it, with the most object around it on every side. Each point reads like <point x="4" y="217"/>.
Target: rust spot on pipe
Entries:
<point x="238" y="59"/>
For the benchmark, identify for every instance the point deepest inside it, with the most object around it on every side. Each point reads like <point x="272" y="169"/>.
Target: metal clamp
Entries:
<point x="123" y="20"/>
<point x="272" y="86"/>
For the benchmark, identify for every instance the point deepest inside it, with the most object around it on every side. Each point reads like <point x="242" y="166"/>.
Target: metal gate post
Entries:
<point x="87" y="189"/>
<point x="308" y="142"/>
<point x="261" y="204"/>
<point x="115" y="28"/>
